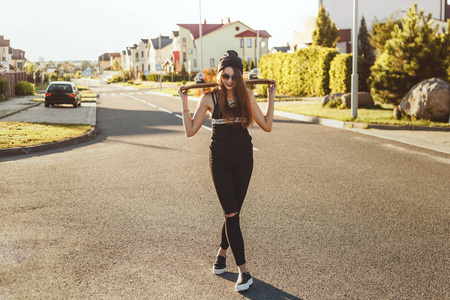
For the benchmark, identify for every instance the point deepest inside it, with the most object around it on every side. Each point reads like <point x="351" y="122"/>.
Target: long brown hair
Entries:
<point x="241" y="100"/>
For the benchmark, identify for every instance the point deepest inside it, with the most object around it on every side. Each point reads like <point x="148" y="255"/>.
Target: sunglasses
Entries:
<point x="226" y="76"/>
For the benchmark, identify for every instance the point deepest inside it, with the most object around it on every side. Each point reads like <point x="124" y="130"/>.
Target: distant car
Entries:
<point x="62" y="92"/>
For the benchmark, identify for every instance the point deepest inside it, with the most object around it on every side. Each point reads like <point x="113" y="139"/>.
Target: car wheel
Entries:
<point x="46" y="104"/>
<point x="75" y="105"/>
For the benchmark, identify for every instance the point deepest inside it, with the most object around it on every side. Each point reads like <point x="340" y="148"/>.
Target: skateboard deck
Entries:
<point x="259" y="81"/>
<point x="198" y="86"/>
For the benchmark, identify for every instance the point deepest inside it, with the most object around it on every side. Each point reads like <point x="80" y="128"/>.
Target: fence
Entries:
<point x="11" y="79"/>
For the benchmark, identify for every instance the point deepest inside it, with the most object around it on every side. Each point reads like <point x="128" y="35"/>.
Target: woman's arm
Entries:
<point x="192" y="125"/>
<point x="264" y="120"/>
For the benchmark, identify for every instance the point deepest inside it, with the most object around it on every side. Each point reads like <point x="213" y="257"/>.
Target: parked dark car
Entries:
<point x="62" y="92"/>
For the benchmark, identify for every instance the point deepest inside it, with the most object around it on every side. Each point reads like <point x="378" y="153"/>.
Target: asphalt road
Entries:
<point x="330" y="214"/>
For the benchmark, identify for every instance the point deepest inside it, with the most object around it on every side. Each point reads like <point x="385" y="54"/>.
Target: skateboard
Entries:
<point x="200" y="81"/>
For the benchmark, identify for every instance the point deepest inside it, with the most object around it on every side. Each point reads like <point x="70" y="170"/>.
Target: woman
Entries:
<point x="233" y="109"/>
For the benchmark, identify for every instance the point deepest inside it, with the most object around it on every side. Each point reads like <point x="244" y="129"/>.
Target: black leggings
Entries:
<point x="231" y="171"/>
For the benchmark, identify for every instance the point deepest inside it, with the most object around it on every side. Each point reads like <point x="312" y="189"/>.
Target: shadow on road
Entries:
<point x="260" y="290"/>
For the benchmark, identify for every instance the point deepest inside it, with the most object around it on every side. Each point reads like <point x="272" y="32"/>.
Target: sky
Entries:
<point x="61" y="30"/>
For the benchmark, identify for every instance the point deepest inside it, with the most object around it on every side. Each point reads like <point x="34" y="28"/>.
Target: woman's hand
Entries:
<point x="272" y="89"/>
<point x="183" y="95"/>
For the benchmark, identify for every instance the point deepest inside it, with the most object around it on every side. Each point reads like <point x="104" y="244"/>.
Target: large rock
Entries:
<point x="364" y="100"/>
<point x="334" y="96"/>
<point x="429" y="99"/>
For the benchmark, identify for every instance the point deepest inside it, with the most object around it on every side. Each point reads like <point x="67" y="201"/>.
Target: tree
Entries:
<point x="414" y="53"/>
<point x="382" y="32"/>
<point x="86" y="64"/>
<point x="115" y="65"/>
<point x="245" y="64"/>
<point x="251" y="65"/>
<point x="326" y="33"/>
<point x="365" y="51"/>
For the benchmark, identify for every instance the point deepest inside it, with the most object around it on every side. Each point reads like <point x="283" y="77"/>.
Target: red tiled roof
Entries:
<point x="249" y="33"/>
<point x="206" y="28"/>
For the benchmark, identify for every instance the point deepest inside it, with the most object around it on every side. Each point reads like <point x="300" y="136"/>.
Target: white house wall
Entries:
<point x="341" y="12"/>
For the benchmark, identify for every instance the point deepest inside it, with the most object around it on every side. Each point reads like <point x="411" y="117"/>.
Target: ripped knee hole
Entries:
<point x="231" y="215"/>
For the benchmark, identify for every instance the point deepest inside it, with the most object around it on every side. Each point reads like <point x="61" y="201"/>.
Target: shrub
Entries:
<point x="68" y="77"/>
<point x="153" y="77"/>
<point x="3" y="86"/>
<point x="335" y="102"/>
<point x="23" y="88"/>
<point x="341" y="70"/>
<point x="303" y="73"/>
<point x="340" y="73"/>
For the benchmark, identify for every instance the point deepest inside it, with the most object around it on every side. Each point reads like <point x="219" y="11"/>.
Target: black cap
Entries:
<point x="231" y="59"/>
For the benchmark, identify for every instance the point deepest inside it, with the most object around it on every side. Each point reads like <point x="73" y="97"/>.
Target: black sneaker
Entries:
<point x="220" y="265"/>
<point x="244" y="282"/>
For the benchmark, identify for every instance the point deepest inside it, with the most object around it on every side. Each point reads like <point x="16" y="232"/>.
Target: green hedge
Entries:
<point x="341" y="74"/>
<point x="3" y="85"/>
<point x="23" y="88"/>
<point x="302" y="73"/>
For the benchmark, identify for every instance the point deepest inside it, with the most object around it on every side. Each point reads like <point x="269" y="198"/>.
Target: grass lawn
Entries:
<point x="21" y="134"/>
<point x="381" y="114"/>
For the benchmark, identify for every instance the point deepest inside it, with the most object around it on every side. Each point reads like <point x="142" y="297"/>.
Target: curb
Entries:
<point x="90" y="135"/>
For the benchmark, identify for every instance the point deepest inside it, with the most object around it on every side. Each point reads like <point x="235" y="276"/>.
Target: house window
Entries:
<point x="137" y="56"/>
<point x="184" y="49"/>
<point x="249" y="43"/>
<point x="242" y="43"/>
<point x="142" y="53"/>
<point x="142" y="67"/>
<point x="212" y="63"/>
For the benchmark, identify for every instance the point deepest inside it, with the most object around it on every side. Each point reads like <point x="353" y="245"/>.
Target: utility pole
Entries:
<point x="160" y="65"/>
<point x="354" y="95"/>
<point x="201" y="33"/>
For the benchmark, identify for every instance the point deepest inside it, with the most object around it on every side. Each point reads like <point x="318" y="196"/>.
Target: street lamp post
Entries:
<point x="354" y="95"/>
<point x="201" y="33"/>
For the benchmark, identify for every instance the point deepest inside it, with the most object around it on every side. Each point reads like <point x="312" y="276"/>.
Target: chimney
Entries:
<point x="229" y="21"/>
<point x="221" y="21"/>
<point x="204" y="21"/>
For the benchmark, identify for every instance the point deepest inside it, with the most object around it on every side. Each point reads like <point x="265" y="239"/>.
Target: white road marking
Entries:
<point x="165" y="110"/>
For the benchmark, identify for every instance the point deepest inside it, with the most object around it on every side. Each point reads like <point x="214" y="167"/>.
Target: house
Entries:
<point x="106" y="60"/>
<point x="134" y="61"/>
<point x="160" y="52"/>
<point x="5" y="55"/>
<point x="197" y="54"/>
<point x="341" y="13"/>
<point x="280" y="49"/>
<point x="142" y="60"/>
<point x="126" y="59"/>
<point x="18" y="59"/>
<point x="302" y="39"/>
